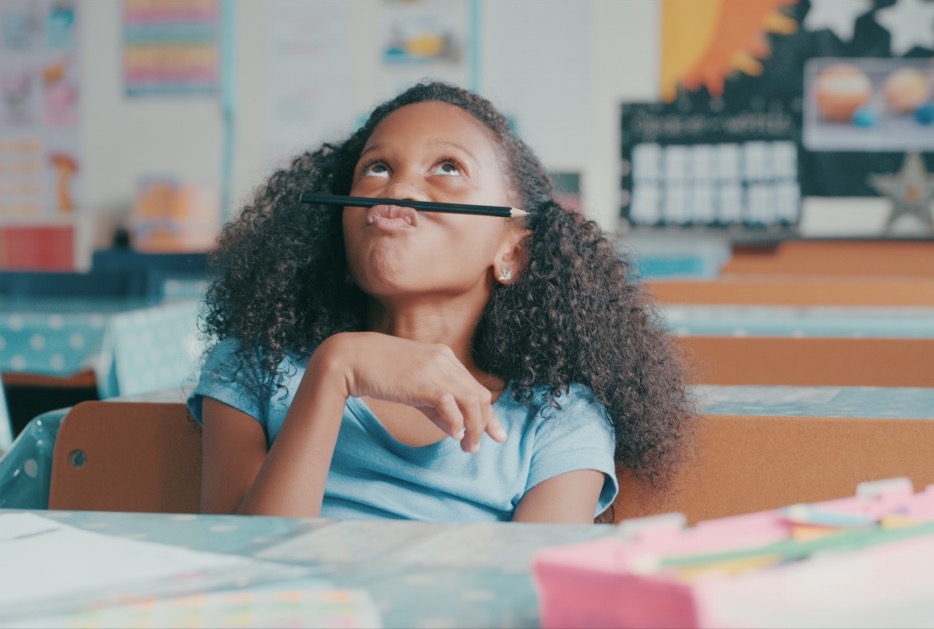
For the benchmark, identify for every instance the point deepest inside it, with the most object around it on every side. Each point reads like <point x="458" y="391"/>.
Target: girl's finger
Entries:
<point x="474" y="422"/>
<point x="450" y="417"/>
<point x="494" y="427"/>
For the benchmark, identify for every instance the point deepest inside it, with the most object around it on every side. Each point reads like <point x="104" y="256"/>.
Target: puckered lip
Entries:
<point x="378" y="212"/>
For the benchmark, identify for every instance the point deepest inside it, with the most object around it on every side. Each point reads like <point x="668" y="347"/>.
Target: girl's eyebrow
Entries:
<point x="445" y="144"/>
<point x="442" y="144"/>
<point x="369" y="149"/>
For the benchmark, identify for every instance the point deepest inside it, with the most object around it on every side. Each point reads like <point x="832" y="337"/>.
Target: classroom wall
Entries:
<point x="559" y="68"/>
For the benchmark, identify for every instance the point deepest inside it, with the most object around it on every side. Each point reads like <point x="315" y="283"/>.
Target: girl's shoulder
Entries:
<point x="570" y="408"/>
<point x="232" y="351"/>
<point x="572" y="398"/>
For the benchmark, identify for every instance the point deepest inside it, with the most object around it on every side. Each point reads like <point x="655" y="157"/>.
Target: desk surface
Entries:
<point x="418" y="574"/>
<point x="835" y="321"/>
<point x="792" y="401"/>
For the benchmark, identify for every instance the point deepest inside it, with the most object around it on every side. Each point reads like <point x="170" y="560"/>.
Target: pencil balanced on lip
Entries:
<point x="503" y="211"/>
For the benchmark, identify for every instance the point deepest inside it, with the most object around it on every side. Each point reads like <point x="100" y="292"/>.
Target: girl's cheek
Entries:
<point x="451" y="185"/>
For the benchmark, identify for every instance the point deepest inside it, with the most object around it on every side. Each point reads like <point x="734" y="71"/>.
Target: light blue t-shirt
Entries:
<point x="373" y="475"/>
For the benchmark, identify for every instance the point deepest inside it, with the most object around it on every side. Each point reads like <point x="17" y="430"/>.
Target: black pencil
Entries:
<point x="428" y="206"/>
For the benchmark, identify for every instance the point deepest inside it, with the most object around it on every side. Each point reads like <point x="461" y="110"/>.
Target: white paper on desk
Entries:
<point x="502" y="546"/>
<point x="349" y="541"/>
<point x="49" y="566"/>
<point x="303" y="604"/>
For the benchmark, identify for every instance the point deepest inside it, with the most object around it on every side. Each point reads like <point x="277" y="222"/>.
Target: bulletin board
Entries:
<point x="854" y="79"/>
<point x="692" y="166"/>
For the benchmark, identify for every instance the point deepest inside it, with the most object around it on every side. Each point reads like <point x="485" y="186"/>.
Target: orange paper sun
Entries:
<point x="704" y="41"/>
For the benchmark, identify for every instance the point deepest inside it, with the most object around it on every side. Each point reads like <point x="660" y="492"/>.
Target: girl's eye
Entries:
<point x="448" y="168"/>
<point x="376" y="169"/>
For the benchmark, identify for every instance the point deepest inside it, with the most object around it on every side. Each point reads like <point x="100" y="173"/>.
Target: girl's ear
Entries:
<point x="512" y="257"/>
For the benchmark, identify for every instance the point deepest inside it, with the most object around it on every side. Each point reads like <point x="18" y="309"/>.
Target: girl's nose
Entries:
<point x="405" y="190"/>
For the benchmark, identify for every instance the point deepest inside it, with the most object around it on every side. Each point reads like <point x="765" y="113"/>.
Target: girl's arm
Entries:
<point x="238" y="476"/>
<point x="569" y="498"/>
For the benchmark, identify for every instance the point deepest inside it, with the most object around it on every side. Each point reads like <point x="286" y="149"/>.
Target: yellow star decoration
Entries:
<point x="911" y="190"/>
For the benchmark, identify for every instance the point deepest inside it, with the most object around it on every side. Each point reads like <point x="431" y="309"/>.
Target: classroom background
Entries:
<point x="155" y="120"/>
<point x="767" y="165"/>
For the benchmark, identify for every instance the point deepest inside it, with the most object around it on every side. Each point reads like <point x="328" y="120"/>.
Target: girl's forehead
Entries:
<point x="437" y="120"/>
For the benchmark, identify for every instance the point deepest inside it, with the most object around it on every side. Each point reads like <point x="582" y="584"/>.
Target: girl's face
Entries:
<point x="430" y="151"/>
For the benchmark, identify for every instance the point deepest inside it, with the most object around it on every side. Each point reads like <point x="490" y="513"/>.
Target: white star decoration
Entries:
<point x="911" y="190"/>
<point x="910" y="22"/>
<point x="837" y="15"/>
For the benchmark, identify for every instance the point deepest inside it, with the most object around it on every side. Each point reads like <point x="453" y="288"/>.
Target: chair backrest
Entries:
<point x="751" y="463"/>
<point x="889" y="258"/>
<point x="127" y="456"/>
<point x="809" y="361"/>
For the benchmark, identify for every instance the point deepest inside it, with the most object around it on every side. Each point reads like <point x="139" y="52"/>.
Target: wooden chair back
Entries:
<point x="889" y="258"/>
<point x="127" y="456"/>
<point x="743" y="464"/>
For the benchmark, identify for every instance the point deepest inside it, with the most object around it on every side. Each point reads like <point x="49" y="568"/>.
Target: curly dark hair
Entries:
<point x="573" y="316"/>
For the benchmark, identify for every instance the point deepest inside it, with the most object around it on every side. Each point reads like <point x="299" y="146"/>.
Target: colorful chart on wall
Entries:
<point x="40" y="143"/>
<point x="170" y="47"/>
<point x="707" y="167"/>
<point x="855" y="78"/>
<point x="425" y="38"/>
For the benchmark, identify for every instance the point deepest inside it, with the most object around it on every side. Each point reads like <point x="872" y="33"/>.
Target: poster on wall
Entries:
<point x="856" y="75"/>
<point x="426" y="39"/>
<point x="310" y="63"/>
<point x="170" y="47"/>
<point x="308" y="67"/>
<point x="40" y="152"/>
<point x="706" y="167"/>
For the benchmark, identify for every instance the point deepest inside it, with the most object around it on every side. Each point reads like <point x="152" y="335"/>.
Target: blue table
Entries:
<point x="130" y="346"/>
<point x="825" y="401"/>
<point x="418" y="574"/>
<point x="796" y="321"/>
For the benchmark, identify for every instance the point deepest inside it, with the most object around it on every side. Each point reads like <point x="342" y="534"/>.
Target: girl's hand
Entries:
<point x="427" y="377"/>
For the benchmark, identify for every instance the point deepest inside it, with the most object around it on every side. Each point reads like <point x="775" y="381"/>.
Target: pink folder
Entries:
<point x="863" y="561"/>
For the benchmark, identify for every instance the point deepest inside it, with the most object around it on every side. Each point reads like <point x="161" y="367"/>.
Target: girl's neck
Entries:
<point x="445" y="326"/>
<point x="450" y="324"/>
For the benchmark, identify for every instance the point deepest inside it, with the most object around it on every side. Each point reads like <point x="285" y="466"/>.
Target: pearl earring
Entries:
<point x="505" y="275"/>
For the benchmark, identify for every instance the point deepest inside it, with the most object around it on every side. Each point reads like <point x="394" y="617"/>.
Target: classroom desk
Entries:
<point x="826" y="321"/>
<point x="418" y="574"/>
<point x="129" y="346"/>
<point x="823" y="401"/>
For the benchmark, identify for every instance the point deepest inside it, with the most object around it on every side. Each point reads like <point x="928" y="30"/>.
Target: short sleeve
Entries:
<point x="225" y="379"/>
<point x="575" y="437"/>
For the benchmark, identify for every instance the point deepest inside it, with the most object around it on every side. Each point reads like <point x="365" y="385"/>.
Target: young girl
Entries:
<point x="386" y="363"/>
